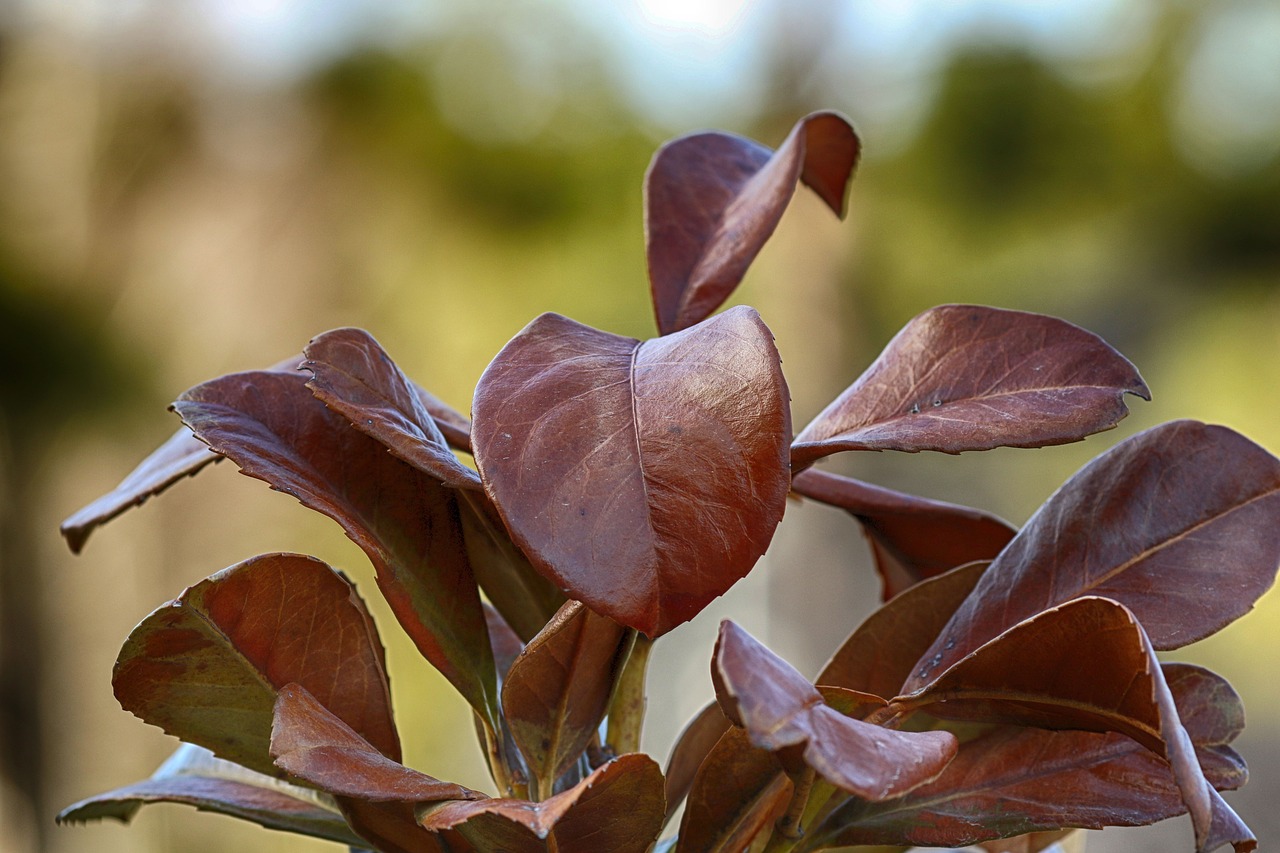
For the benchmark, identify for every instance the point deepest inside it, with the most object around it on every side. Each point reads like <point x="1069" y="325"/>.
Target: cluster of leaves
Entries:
<point x="1007" y="688"/>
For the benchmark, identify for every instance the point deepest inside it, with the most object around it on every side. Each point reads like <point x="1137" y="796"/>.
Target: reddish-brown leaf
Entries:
<point x="1087" y="665"/>
<point x="617" y="808"/>
<point x="779" y="708"/>
<point x="353" y="375"/>
<point x="1152" y="523"/>
<point x="713" y="199"/>
<point x="912" y="538"/>
<point x="1056" y="778"/>
<point x="558" y="689"/>
<point x="739" y="790"/>
<point x="880" y="654"/>
<point x="691" y="748"/>
<point x="404" y="520"/>
<point x="206" y="667"/>
<point x="193" y="776"/>
<point x="966" y="377"/>
<point x="645" y="479"/>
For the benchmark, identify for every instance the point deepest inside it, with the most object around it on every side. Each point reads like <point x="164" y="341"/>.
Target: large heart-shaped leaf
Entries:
<point x="558" y="689"/>
<point x="713" y="199"/>
<point x="1088" y="665"/>
<point x="966" y="377"/>
<point x="404" y="520"/>
<point x="1153" y="523"/>
<point x="779" y="708"/>
<point x="644" y="478"/>
<point x="193" y="776"/>
<point x="1057" y="778"/>
<point x="618" y="808"/>
<point x="206" y="667"/>
<point x="912" y="538"/>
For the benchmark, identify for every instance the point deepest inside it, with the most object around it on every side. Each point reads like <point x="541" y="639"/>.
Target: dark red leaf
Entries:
<point x="713" y="199"/>
<point x="647" y="478"/>
<point x="691" y="748"/>
<point x="558" y="689"/>
<point x="404" y="520"/>
<point x="193" y="776"/>
<point x="912" y="538"/>
<point x="353" y="375"/>
<point x="965" y="377"/>
<point x="739" y="790"/>
<point x="779" y="708"/>
<point x="206" y="667"/>
<point x="1152" y="523"/>
<point x="617" y="808"/>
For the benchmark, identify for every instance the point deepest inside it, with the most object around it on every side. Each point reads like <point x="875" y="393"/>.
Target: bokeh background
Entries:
<point x="192" y="187"/>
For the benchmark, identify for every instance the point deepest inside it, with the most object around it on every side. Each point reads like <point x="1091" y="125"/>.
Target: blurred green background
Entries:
<point x="191" y="187"/>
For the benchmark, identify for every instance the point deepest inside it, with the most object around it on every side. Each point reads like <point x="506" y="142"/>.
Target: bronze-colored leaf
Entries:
<point x="880" y="654"/>
<point x="779" y="708"/>
<point x="1087" y="665"/>
<point x="183" y="455"/>
<point x="737" y="793"/>
<point x="966" y="377"/>
<point x="206" y="667"/>
<point x="1152" y="523"/>
<point x="691" y="748"/>
<point x="617" y="808"/>
<point x="353" y="375"/>
<point x="558" y="689"/>
<point x="713" y="199"/>
<point x="193" y="776"/>
<point x="1057" y="778"/>
<point x="605" y="454"/>
<point x="912" y="538"/>
<point x="404" y="520"/>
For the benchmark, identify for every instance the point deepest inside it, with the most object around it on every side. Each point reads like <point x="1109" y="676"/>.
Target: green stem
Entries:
<point x="789" y="829"/>
<point x="626" y="709"/>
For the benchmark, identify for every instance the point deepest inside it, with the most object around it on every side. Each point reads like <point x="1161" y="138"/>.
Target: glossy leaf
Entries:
<point x="617" y="808"/>
<point x="1152" y="523"/>
<point x="644" y="478"/>
<point x="558" y="689"/>
<point x="692" y="746"/>
<point x="206" y="667"/>
<point x="193" y="776"/>
<point x="739" y="790"/>
<point x="779" y="708"/>
<point x="881" y="653"/>
<point x="1087" y="665"/>
<point x="353" y="375"/>
<point x="1057" y="778"/>
<point x="404" y="520"/>
<point x="912" y="538"/>
<point x="966" y="377"/>
<point x="713" y="199"/>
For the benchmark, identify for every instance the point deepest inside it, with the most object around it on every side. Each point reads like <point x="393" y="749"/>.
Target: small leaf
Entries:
<point x="713" y="199"/>
<point x="206" y="667"/>
<point x="966" y="377"/>
<point x="405" y="521"/>
<point x="912" y="538"/>
<point x="603" y="454"/>
<point x="353" y="375"/>
<point x="558" y="689"/>
<point x="779" y="708"/>
<point x="691" y="748"/>
<point x="194" y="777"/>
<point x="737" y="793"/>
<point x="880" y="654"/>
<point x="617" y="808"/>
<point x="1152" y="523"/>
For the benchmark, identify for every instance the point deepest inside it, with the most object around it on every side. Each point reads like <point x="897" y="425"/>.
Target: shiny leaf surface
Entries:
<point x="644" y="478"/>
<point x="966" y="377"/>
<point x="405" y="521"/>
<point x="206" y="667"/>
<point x="912" y="538"/>
<point x="713" y="199"/>
<point x="779" y="708"/>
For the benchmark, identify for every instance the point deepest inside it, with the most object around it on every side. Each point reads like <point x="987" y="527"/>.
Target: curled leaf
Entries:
<point x="713" y="199"/>
<point x="739" y="790"/>
<point x="967" y="377"/>
<point x="644" y="478"/>
<point x="692" y="746"/>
